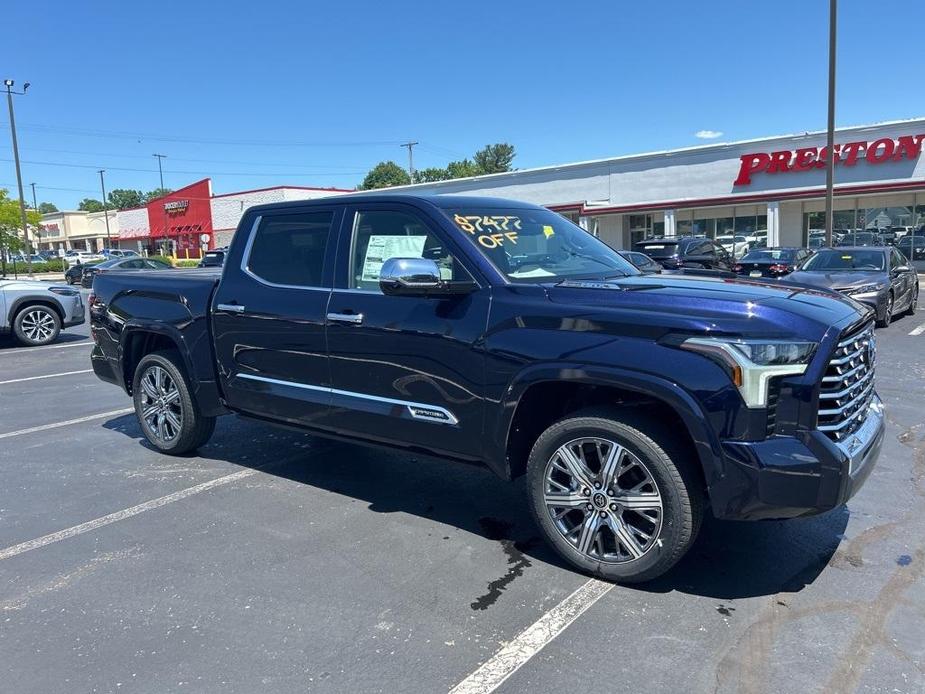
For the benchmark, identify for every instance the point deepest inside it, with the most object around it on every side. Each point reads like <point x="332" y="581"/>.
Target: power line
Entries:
<point x="195" y="173"/>
<point x="410" y="145"/>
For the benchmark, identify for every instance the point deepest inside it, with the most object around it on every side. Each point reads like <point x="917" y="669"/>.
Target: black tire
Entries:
<point x="914" y="304"/>
<point x="884" y="320"/>
<point x="669" y="465"/>
<point x="36" y="325"/>
<point x="195" y="429"/>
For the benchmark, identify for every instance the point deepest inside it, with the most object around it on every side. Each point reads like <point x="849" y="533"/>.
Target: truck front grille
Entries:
<point x="848" y="384"/>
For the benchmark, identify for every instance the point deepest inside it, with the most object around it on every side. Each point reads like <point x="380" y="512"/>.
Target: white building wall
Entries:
<point x="791" y="223"/>
<point x="227" y="210"/>
<point x="610" y="230"/>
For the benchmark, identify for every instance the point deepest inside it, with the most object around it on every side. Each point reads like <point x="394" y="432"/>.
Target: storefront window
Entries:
<point x="684" y="227"/>
<point x="873" y="218"/>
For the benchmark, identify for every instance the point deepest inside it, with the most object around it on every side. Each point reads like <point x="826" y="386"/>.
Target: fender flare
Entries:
<point x="706" y="443"/>
<point x="35" y="298"/>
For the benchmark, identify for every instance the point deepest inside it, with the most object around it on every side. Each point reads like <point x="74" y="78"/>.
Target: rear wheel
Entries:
<point x="165" y="407"/>
<point x="36" y="325"/>
<point x="609" y="497"/>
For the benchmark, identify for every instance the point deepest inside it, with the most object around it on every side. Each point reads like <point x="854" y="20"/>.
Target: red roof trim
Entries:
<point x="563" y="206"/>
<point x="260" y="190"/>
<point x="840" y="191"/>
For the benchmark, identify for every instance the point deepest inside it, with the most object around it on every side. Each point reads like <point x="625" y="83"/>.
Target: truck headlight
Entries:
<point x="866" y="289"/>
<point x="751" y="364"/>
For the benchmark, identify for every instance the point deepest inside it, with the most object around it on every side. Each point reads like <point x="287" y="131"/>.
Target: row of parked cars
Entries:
<point x="880" y="276"/>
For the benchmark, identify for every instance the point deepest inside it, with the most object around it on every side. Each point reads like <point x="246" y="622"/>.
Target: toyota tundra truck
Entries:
<point x="501" y="334"/>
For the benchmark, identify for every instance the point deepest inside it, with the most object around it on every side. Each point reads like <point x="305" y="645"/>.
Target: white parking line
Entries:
<point x="55" y="425"/>
<point x="36" y="378"/>
<point x="121" y="515"/>
<point x="84" y="343"/>
<point x="531" y="640"/>
<point x="919" y="330"/>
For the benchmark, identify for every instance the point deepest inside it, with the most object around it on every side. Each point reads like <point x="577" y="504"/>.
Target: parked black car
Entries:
<point x="913" y="247"/>
<point x="771" y="262"/>
<point x="214" y="258"/>
<point x="643" y="263"/>
<point x="861" y="238"/>
<point x="685" y="252"/>
<point x="500" y="333"/>
<point x="91" y="271"/>
<point x="882" y="278"/>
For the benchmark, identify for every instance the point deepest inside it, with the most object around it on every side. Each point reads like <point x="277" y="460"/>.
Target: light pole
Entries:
<point x="105" y="209"/>
<point x="160" y="169"/>
<point x="830" y="134"/>
<point x="22" y="202"/>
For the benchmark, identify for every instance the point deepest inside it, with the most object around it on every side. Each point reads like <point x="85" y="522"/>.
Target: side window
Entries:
<point x="132" y="265"/>
<point x="289" y="249"/>
<point x="706" y="249"/>
<point x="898" y="258"/>
<point x="380" y="235"/>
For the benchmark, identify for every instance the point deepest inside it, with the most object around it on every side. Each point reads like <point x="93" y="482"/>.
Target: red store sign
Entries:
<point x="809" y="158"/>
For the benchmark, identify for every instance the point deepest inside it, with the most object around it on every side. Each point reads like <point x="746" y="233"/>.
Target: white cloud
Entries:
<point x="708" y="134"/>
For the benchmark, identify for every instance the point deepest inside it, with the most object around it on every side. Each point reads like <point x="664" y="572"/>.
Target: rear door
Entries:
<point x="902" y="280"/>
<point x="268" y="316"/>
<point x="405" y="370"/>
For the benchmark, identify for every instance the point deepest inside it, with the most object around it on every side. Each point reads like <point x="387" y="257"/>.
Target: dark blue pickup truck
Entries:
<point x="498" y="333"/>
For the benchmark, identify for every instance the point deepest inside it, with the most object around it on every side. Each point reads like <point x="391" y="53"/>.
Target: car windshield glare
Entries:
<point x="535" y="245"/>
<point x="845" y="260"/>
<point x="758" y="256"/>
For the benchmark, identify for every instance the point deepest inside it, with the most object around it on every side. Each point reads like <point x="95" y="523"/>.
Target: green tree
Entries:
<point x="124" y="198"/>
<point x="495" y="158"/>
<point x="429" y="175"/>
<point x="11" y="239"/>
<point x="46" y="207"/>
<point x="90" y="205"/>
<point x="157" y="193"/>
<point x="462" y="169"/>
<point x="385" y="174"/>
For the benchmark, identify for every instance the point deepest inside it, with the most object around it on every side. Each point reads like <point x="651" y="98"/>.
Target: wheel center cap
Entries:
<point x="599" y="501"/>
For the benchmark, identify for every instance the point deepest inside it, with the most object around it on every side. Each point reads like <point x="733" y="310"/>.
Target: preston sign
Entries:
<point x="808" y="158"/>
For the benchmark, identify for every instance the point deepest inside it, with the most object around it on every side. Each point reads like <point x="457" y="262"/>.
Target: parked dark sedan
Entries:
<point x="882" y="278"/>
<point x="642" y="262"/>
<point x="685" y="252"/>
<point x="861" y="238"/>
<point x="771" y="262"/>
<point x="91" y="271"/>
<point x="214" y="258"/>
<point x="913" y="247"/>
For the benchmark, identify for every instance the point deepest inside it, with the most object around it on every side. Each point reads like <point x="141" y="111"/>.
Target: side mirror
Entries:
<point x="900" y="269"/>
<point x="417" y="277"/>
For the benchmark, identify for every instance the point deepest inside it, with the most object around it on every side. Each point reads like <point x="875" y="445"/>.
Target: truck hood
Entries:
<point x="714" y="305"/>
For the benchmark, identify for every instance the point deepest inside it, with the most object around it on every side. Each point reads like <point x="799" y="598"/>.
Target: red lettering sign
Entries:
<point x="806" y="158"/>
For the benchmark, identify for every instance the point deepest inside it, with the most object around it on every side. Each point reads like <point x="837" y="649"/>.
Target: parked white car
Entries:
<point x="35" y="312"/>
<point x="83" y="256"/>
<point x="736" y="245"/>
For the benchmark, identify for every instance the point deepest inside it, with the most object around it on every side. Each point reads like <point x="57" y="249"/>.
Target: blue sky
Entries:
<point x="305" y="93"/>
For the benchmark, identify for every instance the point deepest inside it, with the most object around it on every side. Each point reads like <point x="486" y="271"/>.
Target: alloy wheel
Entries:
<point x="161" y="409"/>
<point x="603" y="500"/>
<point x="38" y="325"/>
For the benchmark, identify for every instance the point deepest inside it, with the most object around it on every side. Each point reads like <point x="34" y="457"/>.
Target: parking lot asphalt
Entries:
<point x="274" y="561"/>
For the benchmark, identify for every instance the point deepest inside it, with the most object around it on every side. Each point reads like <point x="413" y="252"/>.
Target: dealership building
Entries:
<point x="775" y="184"/>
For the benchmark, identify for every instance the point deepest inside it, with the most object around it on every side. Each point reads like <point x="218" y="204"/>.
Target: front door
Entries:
<point x="269" y="317"/>
<point x="405" y="370"/>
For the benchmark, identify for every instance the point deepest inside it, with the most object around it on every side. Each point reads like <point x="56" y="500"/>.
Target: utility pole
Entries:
<point x="160" y="169"/>
<point x="410" y="145"/>
<point x="830" y="135"/>
<point x="22" y="197"/>
<point x="35" y="206"/>
<point x="105" y="209"/>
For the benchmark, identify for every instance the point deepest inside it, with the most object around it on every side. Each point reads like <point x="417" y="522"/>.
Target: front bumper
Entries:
<point x="876" y="300"/>
<point x="75" y="312"/>
<point x="792" y="476"/>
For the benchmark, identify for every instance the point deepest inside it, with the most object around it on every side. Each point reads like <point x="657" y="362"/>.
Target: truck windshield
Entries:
<point x="529" y="245"/>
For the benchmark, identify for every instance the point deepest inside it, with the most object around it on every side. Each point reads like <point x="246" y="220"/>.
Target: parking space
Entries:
<point x="274" y="561"/>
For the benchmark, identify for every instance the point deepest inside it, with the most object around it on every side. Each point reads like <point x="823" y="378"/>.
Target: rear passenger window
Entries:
<point x="289" y="249"/>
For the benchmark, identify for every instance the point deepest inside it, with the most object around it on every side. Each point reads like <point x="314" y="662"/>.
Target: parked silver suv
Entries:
<point x="35" y="312"/>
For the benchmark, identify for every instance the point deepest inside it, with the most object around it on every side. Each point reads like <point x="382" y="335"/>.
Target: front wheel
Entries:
<point x="36" y="325"/>
<point x="165" y="408"/>
<point x="887" y="317"/>
<point x="609" y="497"/>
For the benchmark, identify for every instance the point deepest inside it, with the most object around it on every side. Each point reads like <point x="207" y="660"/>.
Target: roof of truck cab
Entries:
<point x="442" y="201"/>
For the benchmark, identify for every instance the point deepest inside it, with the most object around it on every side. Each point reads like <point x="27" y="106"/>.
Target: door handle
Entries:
<point x="234" y="308"/>
<point x="354" y="318"/>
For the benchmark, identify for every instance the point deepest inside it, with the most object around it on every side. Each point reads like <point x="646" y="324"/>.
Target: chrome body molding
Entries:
<point x="415" y="410"/>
